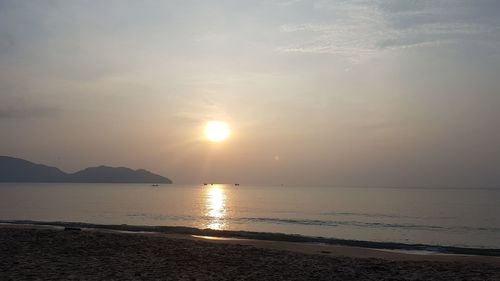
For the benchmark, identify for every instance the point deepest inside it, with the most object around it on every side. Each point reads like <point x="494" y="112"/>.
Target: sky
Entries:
<point x="335" y="93"/>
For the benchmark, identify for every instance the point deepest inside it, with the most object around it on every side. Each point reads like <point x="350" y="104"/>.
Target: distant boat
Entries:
<point x="155" y="184"/>
<point x="236" y="184"/>
<point x="205" y="183"/>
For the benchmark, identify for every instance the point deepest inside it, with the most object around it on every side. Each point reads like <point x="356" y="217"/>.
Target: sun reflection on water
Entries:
<point x="215" y="206"/>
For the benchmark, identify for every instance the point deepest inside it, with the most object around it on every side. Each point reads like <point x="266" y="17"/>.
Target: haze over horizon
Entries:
<point x="344" y="93"/>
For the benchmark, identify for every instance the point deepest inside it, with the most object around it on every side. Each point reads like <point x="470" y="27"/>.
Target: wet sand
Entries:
<point x="38" y="253"/>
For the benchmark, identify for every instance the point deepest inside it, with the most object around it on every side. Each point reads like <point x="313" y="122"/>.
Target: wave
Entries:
<point x="370" y="224"/>
<point x="375" y="215"/>
<point x="316" y="222"/>
<point x="268" y="236"/>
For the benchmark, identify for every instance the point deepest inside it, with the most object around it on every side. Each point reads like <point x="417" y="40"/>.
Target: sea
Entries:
<point x="460" y="217"/>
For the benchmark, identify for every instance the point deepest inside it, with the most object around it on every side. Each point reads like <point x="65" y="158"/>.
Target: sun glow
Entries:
<point x="216" y="131"/>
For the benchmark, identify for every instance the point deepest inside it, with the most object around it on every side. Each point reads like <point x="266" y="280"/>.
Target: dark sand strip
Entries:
<point x="272" y="237"/>
<point x="28" y="253"/>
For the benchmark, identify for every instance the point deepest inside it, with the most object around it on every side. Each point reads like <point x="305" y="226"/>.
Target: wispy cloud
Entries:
<point x="27" y="112"/>
<point x="359" y="30"/>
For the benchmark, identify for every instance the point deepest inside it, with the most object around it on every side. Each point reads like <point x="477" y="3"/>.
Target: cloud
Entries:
<point x="359" y="30"/>
<point x="287" y="2"/>
<point x="27" y="112"/>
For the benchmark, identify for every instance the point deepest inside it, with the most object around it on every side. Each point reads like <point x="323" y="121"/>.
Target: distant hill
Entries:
<point x="19" y="170"/>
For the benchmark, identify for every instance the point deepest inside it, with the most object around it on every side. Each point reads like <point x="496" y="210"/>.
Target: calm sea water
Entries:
<point x="453" y="217"/>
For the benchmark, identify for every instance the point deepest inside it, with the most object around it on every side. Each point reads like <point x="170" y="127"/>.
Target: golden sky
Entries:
<point x="356" y="93"/>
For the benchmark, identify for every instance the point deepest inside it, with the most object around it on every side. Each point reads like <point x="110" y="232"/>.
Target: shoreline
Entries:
<point x="44" y="252"/>
<point x="362" y="248"/>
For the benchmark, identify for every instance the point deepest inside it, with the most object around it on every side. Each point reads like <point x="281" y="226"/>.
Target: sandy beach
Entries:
<point x="38" y="253"/>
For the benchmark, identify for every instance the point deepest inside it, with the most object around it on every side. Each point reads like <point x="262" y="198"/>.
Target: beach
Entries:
<point x="43" y="253"/>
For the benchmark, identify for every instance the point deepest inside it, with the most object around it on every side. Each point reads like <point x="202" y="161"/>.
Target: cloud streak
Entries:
<point x="27" y="112"/>
<point x="361" y="30"/>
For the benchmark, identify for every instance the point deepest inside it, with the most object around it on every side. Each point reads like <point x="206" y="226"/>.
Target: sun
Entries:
<point x="216" y="131"/>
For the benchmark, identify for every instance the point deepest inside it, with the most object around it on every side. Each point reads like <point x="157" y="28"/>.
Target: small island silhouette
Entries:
<point x="19" y="170"/>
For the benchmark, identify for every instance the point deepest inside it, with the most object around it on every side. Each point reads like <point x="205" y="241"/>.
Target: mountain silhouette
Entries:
<point x="19" y="170"/>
